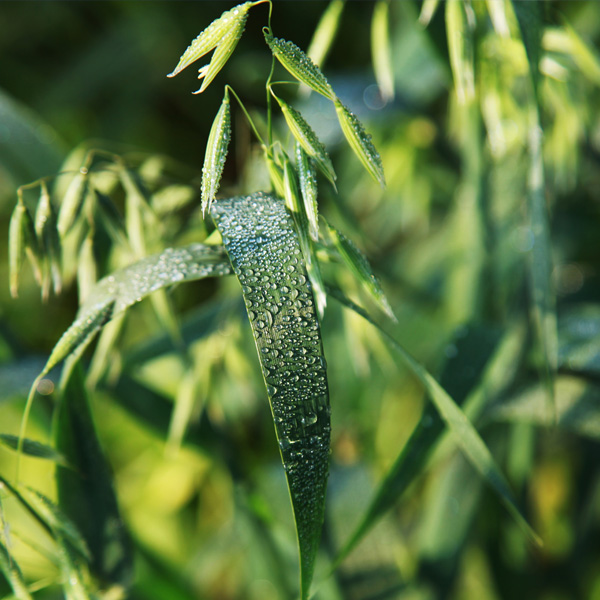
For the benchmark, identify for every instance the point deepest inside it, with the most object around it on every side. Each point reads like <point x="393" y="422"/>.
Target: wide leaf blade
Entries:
<point x="264" y="250"/>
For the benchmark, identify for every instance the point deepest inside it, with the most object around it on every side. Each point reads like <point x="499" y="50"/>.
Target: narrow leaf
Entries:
<point x="460" y="47"/>
<point x="428" y="9"/>
<point x="13" y="574"/>
<point x="115" y="293"/>
<point x="299" y="64"/>
<point x="381" y="50"/>
<point x="325" y="32"/>
<point x="360" y="142"/>
<point x="86" y="495"/>
<point x="264" y="249"/>
<point x="216" y="153"/>
<point x="465" y="435"/>
<point x="359" y="265"/>
<point x="308" y="187"/>
<point x="307" y="138"/>
<point x="33" y="448"/>
<point x="47" y="233"/>
<point x="230" y="23"/>
<point x="16" y="246"/>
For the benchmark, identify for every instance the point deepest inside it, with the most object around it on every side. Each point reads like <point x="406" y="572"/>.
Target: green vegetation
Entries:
<point x="433" y="407"/>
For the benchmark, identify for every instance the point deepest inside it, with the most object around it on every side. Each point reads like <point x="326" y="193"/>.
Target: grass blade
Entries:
<point x="299" y="64"/>
<point x="465" y="435"/>
<point x="307" y="178"/>
<point x="33" y="448"/>
<point x="325" y="32"/>
<point x="87" y="495"/>
<point x="264" y="250"/>
<point x="216" y="153"/>
<point x="360" y="142"/>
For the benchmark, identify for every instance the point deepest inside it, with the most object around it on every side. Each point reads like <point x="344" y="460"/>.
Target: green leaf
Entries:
<point x="223" y="33"/>
<point x="428" y="9"/>
<point x="216" y="153"/>
<point x="529" y="17"/>
<point x="460" y="47"/>
<point x="307" y="138"/>
<point x="299" y="64"/>
<point x="33" y="448"/>
<point x="381" y="50"/>
<point x="325" y="32"/>
<point x="117" y="292"/>
<point x="13" y="574"/>
<point x="264" y="249"/>
<point x="307" y="178"/>
<point x="473" y="348"/>
<point x="86" y="495"/>
<point x="359" y="265"/>
<point x="464" y="434"/>
<point x="360" y="142"/>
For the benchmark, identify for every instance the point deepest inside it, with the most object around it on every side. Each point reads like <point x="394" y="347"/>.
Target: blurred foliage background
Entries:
<point x="451" y="236"/>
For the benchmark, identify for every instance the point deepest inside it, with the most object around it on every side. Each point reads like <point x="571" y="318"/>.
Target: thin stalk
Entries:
<point x="250" y="121"/>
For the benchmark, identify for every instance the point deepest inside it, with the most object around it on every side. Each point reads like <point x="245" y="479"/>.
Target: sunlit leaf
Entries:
<point x="460" y="46"/>
<point x="299" y="64"/>
<point x="428" y="9"/>
<point x="47" y="233"/>
<point x="117" y="292"/>
<point x="216" y="153"/>
<point x="86" y="494"/>
<point x="307" y="138"/>
<point x="13" y="574"/>
<point x="307" y="179"/>
<point x="381" y="50"/>
<point x="226" y="30"/>
<point x="325" y="32"/>
<point x="264" y="249"/>
<point x="359" y="265"/>
<point x="33" y="448"/>
<point x="360" y="142"/>
<point x="464" y="434"/>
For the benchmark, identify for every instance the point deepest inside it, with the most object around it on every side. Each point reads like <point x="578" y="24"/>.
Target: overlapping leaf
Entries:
<point x="33" y="448"/>
<point x="307" y="179"/>
<point x="308" y="139"/>
<point x="360" y="142"/>
<point x="264" y="249"/>
<point x="299" y="64"/>
<point x="223" y="34"/>
<point x="22" y="240"/>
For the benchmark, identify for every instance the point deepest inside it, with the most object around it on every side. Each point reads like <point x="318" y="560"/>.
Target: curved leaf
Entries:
<point x="13" y="574"/>
<point x="264" y="250"/>
<point x="299" y="64"/>
<point x="325" y="32"/>
<point x="230" y="23"/>
<point x="308" y="139"/>
<point x="360" y="142"/>
<point x="308" y="187"/>
<point x="117" y="292"/>
<point x="381" y="50"/>
<point x="33" y="448"/>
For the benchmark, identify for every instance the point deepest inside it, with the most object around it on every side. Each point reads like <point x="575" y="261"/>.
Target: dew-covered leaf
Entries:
<point x="33" y="448"/>
<point x="13" y="574"/>
<point x="216" y="153"/>
<point x="359" y="265"/>
<point x="464" y="434"/>
<point x="86" y="494"/>
<point x="307" y="179"/>
<point x="360" y="142"/>
<point x="264" y="249"/>
<point x="227" y="30"/>
<point x="117" y="292"/>
<point x="381" y="50"/>
<point x="307" y="138"/>
<point x="299" y="64"/>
